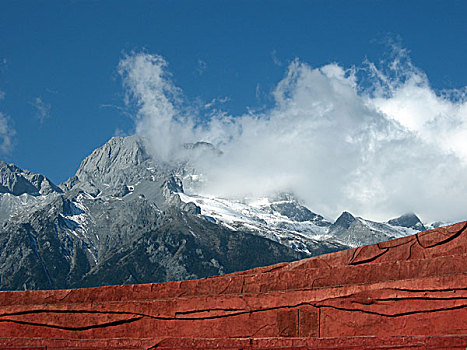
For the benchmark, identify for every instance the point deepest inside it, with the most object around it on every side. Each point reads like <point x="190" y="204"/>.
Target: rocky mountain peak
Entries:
<point x="17" y="181"/>
<point x="409" y="220"/>
<point x="202" y="146"/>
<point x="171" y="186"/>
<point x="120" y="162"/>
<point x="117" y="154"/>
<point x="288" y="206"/>
<point x="344" y="220"/>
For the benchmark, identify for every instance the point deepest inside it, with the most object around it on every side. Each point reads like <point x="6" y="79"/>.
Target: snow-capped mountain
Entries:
<point x="288" y="222"/>
<point x="125" y="218"/>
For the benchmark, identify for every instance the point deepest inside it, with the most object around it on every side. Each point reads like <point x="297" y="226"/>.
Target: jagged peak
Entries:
<point x="120" y="161"/>
<point x="409" y="220"/>
<point x="17" y="181"/>
<point x="10" y="166"/>
<point x="171" y="186"/>
<point x="118" y="152"/>
<point x="202" y="145"/>
<point x="344" y="220"/>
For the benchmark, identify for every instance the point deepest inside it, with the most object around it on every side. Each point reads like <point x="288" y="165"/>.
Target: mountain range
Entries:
<point x="126" y="218"/>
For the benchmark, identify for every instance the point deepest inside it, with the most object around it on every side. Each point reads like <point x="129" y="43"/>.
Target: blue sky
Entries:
<point x="62" y="96"/>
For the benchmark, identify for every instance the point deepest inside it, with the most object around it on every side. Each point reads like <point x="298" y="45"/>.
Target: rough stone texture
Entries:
<point x="406" y="293"/>
<point x="17" y="181"/>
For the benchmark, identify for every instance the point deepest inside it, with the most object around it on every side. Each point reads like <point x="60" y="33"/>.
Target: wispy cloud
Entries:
<point x="3" y="63"/>
<point x="202" y="66"/>
<point x="123" y="110"/>
<point x="259" y="94"/>
<point x="216" y="102"/>
<point x="275" y="60"/>
<point x="120" y="132"/>
<point x="42" y="109"/>
<point x="7" y="133"/>
<point x="376" y="140"/>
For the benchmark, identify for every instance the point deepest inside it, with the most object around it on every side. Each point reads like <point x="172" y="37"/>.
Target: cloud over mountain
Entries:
<point x="376" y="140"/>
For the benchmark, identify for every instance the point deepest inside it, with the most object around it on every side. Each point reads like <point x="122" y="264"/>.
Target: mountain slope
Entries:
<point x="125" y="218"/>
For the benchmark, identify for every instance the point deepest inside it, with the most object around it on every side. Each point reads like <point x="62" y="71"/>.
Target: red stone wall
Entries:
<point x="410" y="292"/>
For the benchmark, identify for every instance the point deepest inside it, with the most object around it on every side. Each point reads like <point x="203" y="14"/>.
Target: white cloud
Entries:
<point x="376" y="141"/>
<point x="42" y="109"/>
<point x="2" y="95"/>
<point x="148" y="85"/>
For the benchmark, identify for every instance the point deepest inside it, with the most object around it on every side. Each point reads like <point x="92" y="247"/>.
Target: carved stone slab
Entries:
<point x="409" y="292"/>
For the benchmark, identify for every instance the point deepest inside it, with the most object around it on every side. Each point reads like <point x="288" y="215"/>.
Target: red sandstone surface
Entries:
<point x="405" y="293"/>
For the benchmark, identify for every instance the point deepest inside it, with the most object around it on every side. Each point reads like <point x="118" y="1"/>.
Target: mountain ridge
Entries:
<point x="125" y="218"/>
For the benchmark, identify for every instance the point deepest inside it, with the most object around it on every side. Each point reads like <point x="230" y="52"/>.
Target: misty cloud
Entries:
<point x="376" y="141"/>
